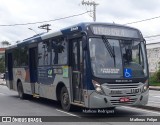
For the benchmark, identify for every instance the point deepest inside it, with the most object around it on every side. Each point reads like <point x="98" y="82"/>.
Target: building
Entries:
<point x="153" y="54"/>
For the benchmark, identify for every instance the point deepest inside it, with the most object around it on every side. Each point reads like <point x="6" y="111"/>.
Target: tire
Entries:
<point x="64" y="98"/>
<point x="20" y="91"/>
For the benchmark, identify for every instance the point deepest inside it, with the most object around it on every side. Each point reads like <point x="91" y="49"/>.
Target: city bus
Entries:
<point x="91" y="65"/>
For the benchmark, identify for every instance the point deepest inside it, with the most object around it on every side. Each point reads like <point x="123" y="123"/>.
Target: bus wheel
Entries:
<point x="65" y="102"/>
<point x="20" y="91"/>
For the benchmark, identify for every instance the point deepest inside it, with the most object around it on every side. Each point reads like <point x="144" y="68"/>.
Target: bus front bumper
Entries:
<point x="101" y="101"/>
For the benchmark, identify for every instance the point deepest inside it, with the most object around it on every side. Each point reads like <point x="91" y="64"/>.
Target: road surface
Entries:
<point x="11" y="105"/>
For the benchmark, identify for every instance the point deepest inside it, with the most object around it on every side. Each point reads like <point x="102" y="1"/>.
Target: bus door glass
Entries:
<point x="33" y="67"/>
<point x="10" y="71"/>
<point x="77" y="68"/>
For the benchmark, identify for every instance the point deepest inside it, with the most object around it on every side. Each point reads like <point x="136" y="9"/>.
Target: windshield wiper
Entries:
<point x="109" y="48"/>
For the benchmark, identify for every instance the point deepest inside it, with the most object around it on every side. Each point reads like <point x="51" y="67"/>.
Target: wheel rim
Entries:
<point x="65" y="99"/>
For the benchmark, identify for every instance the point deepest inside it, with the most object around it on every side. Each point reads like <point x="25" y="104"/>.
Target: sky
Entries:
<point x="111" y="11"/>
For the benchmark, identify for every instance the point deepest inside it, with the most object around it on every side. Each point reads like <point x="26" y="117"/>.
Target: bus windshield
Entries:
<point x="112" y="58"/>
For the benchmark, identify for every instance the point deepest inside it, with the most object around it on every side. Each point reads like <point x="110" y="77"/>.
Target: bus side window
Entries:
<point x="16" y="57"/>
<point x="44" y="53"/>
<point x="62" y="55"/>
<point x="23" y="56"/>
<point x="59" y="51"/>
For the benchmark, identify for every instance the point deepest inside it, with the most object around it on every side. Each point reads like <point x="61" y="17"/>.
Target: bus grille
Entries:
<point x="117" y="102"/>
<point x="123" y="86"/>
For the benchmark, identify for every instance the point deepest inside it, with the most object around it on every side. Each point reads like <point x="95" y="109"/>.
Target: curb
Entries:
<point x="154" y="88"/>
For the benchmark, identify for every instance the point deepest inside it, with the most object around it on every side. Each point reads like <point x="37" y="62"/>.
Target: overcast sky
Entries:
<point x="117" y="11"/>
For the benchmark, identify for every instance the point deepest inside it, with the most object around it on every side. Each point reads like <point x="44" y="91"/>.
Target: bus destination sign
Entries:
<point x="115" y="31"/>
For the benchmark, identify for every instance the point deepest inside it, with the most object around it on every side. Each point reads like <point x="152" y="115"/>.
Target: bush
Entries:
<point x="158" y="76"/>
<point x="155" y="78"/>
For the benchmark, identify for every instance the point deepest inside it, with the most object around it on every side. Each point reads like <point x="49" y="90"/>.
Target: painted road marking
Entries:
<point x="157" y="96"/>
<point x="2" y="93"/>
<point x="141" y="110"/>
<point x="68" y="113"/>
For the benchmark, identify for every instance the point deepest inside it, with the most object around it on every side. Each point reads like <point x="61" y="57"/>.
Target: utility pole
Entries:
<point x="94" y="4"/>
<point x="45" y="26"/>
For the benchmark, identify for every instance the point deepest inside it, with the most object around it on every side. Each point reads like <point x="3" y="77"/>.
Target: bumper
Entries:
<point x="101" y="101"/>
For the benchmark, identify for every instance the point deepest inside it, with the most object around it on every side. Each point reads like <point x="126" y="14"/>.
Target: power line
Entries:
<point x="143" y="20"/>
<point x="47" y="20"/>
<point x="153" y="39"/>
<point x="152" y="36"/>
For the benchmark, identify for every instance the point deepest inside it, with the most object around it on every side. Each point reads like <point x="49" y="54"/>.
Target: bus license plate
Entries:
<point x="124" y="99"/>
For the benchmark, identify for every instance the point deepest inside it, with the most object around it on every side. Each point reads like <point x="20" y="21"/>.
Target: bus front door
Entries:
<point x="9" y="74"/>
<point x="33" y="67"/>
<point x="77" y="68"/>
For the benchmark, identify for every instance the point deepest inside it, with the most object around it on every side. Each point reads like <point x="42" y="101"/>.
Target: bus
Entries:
<point x="91" y="65"/>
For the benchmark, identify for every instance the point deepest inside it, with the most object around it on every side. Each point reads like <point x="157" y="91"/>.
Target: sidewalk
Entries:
<point x="154" y="88"/>
<point x="2" y="82"/>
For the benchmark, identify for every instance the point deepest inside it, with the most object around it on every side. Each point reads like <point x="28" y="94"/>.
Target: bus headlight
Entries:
<point x="146" y="86"/>
<point x="97" y="87"/>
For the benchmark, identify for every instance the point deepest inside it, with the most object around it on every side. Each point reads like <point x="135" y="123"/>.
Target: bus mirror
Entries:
<point x="84" y="42"/>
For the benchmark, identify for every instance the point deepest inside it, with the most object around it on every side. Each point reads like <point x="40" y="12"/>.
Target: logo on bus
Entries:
<point x="50" y="72"/>
<point x="74" y="28"/>
<point x="134" y="91"/>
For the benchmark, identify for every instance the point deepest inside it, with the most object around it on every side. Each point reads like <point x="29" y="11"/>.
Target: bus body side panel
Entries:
<point x="47" y="88"/>
<point x="22" y="74"/>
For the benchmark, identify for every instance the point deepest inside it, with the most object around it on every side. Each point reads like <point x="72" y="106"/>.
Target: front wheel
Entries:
<point x="65" y="102"/>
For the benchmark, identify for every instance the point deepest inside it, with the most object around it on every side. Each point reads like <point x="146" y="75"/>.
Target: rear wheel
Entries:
<point x="20" y="91"/>
<point x="65" y="102"/>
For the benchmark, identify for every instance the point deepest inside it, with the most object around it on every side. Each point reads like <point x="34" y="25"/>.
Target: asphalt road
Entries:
<point x="11" y="105"/>
<point x="154" y="98"/>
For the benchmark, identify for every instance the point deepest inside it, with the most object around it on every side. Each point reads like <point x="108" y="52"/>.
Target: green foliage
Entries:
<point x="155" y="78"/>
<point x="5" y="43"/>
<point x="158" y="76"/>
<point x="2" y="66"/>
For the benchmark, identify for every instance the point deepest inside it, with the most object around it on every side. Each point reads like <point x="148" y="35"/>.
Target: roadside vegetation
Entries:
<point x="2" y="64"/>
<point x="3" y="44"/>
<point x="154" y="79"/>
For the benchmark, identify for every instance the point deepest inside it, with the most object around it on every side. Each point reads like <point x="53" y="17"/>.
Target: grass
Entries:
<point x="154" y="79"/>
<point x="154" y="84"/>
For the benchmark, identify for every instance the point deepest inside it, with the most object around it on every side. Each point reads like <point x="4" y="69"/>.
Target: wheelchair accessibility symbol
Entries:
<point x="127" y="73"/>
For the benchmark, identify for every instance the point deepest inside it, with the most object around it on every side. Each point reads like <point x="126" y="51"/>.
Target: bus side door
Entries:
<point x="77" y="68"/>
<point x="9" y="73"/>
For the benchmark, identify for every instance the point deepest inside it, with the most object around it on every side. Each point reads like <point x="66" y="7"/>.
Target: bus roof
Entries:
<point x="78" y="27"/>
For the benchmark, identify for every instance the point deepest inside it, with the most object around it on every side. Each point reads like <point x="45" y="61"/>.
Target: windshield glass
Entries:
<point x="112" y="58"/>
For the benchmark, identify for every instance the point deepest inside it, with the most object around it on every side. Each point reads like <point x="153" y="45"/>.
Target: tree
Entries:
<point x="5" y="43"/>
<point x="2" y="64"/>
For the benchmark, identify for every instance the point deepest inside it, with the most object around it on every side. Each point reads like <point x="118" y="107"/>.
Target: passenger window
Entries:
<point x="44" y="53"/>
<point x="59" y="51"/>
